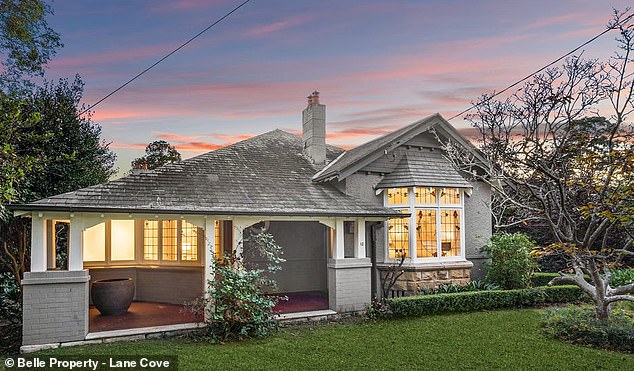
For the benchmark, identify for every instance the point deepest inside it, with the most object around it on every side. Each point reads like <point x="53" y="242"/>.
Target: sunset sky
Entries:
<point x="379" y="65"/>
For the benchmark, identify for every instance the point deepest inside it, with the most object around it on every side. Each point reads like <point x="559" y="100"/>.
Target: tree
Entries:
<point x="62" y="151"/>
<point x="157" y="154"/>
<point x="557" y="158"/>
<point x="26" y="40"/>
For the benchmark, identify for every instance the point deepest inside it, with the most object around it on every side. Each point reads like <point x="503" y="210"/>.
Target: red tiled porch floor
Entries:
<point x="147" y="314"/>
<point x="141" y="314"/>
<point x="302" y="302"/>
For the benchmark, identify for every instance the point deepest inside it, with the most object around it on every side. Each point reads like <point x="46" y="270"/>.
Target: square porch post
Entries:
<point x="75" y="247"/>
<point x="359" y="239"/>
<point x="339" y="252"/>
<point x="38" y="244"/>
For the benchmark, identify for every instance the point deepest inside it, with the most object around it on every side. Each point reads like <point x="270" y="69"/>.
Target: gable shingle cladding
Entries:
<point x="264" y="175"/>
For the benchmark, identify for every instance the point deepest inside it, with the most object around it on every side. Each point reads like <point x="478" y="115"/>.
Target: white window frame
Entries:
<point x="412" y="206"/>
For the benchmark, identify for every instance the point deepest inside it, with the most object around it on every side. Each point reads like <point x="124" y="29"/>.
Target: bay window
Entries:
<point x="434" y="229"/>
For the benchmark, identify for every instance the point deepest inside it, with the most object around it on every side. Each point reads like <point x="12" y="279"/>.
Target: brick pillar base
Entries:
<point x="349" y="284"/>
<point x="55" y="307"/>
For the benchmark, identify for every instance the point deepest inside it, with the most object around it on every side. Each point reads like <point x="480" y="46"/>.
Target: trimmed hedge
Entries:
<point x="482" y="300"/>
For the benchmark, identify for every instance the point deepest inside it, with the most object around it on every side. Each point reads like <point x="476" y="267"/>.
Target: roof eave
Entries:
<point x="386" y="213"/>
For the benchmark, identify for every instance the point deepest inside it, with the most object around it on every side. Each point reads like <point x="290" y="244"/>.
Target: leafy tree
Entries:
<point x="554" y="160"/>
<point x="512" y="265"/>
<point x="26" y="40"/>
<point x="62" y="151"/>
<point x="157" y="154"/>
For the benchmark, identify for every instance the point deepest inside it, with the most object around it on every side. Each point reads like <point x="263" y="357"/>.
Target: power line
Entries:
<point x="164" y="58"/>
<point x="543" y="68"/>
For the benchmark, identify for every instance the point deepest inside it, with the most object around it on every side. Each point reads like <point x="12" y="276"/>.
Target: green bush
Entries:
<point x="235" y="301"/>
<point x="621" y="277"/>
<point x="483" y="300"/>
<point x="542" y="279"/>
<point x="10" y="314"/>
<point x="512" y="264"/>
<point x="452" y="287"/>
<point x="579" y="325"/>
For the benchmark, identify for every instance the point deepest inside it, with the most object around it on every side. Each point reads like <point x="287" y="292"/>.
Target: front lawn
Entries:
<point x="508" y="339"/>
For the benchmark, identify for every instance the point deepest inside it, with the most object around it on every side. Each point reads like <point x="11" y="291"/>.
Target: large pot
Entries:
<point x="112" y="296"/>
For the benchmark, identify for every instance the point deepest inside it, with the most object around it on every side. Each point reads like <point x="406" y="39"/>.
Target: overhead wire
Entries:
<point x="474" y="105"/>
<point x="164" y="58"/>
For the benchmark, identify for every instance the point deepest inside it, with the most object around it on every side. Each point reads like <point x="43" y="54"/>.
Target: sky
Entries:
<point x="378" y="65"/>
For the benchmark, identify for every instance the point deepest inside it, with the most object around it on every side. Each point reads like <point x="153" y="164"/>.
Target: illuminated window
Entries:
<point x="94" y="243"/>
<point x="189" y="244"/>
<point x="426" y="240"/>
<point x="121" y="240"/>
<point x="398" y="236"/>
<point x="425" y="195"/>
<point x="434" y="228"/>
<point x="450" y="232"/>
<point x="223" y="238"/>
<point x="450" y="196"/>
<point x="169" y="240"/>
<point x="151" y="240"/>
<point x="397" y="196"/>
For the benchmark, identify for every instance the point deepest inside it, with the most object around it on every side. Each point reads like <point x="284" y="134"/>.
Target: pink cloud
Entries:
<point x="262" y="30"/>
<point x="114" y="56"/>
<point x="549" y="21"/>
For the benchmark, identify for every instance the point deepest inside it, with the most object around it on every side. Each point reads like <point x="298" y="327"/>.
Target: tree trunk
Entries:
<point x="603" y="310"/>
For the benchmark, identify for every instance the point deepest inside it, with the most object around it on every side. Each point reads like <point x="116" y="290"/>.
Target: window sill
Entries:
<point x="425" y="265"/>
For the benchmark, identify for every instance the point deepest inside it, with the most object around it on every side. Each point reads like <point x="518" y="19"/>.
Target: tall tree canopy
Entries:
<point x="27" y="43"/>
<point x="157" y="153"/>
<point x="561" y="152"/>
<point x="61" y="152"/>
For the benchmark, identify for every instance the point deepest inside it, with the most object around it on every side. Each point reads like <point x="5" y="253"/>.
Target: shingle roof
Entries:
<point x="264" y="175"/>
<point x="427" y="168"/>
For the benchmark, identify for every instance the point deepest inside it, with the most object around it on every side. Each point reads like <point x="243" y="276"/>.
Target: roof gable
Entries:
<point x="357" y="158"/>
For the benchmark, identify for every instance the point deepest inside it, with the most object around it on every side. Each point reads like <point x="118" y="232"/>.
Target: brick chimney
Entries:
<point x="314" y="129"/>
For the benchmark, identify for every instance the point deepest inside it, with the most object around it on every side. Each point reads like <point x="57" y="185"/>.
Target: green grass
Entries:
<point x="484" y="340"/>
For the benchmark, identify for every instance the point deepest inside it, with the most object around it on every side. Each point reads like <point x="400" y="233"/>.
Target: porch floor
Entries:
<point x="141" y="314"/>
<point x="306" y="301"/>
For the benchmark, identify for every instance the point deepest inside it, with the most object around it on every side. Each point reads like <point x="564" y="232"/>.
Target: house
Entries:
<point x="342" y="217"/>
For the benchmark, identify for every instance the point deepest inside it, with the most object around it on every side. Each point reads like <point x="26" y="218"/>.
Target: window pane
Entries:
<point x="398" y="236"/>
<point x="189" y="242"/>
<point x="426" y="241"/>
<point x="150" y="240"/>
<point x="425" y="195"/>
<point x="397" y="196"/>
<point x="450" y="196"/>
<point x="450" y="232"/>
<point x="169" y="239"/>
<point x="94" y="243"/>
<point x="122" y="240"/>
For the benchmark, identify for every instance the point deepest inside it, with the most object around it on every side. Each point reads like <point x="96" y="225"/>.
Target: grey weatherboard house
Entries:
<point x="342" y="218"/>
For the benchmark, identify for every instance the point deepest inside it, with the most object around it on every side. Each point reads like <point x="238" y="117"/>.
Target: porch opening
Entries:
<point x="303" y="278"/>
<point x="163" y="258"/>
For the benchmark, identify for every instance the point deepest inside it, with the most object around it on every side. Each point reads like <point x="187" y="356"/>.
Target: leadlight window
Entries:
<point x="169" y="240"/>
<point x="151" y="240"/>
<point x="189" y="242"/>
<point x="434" y="229"/>
<point x="397" y="196"/>
<point x="398" y="236"/>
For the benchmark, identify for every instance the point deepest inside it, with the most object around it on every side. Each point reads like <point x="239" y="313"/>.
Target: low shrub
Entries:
<point x="512" y="263"/>
<point x="579" y="325"/>
<point x="452" y="288"/>
<point x="542" y="279"/>
<point x="10" y="314"/>
<point x="482" y="300"/>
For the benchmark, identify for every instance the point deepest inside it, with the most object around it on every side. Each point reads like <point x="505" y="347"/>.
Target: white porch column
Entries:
<point x="359" y="238"/>
<point x="210" y="248"/>
<point x="339" y="252"/>
<point x="38" y="244"/>
<point x="75" y="247"/>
